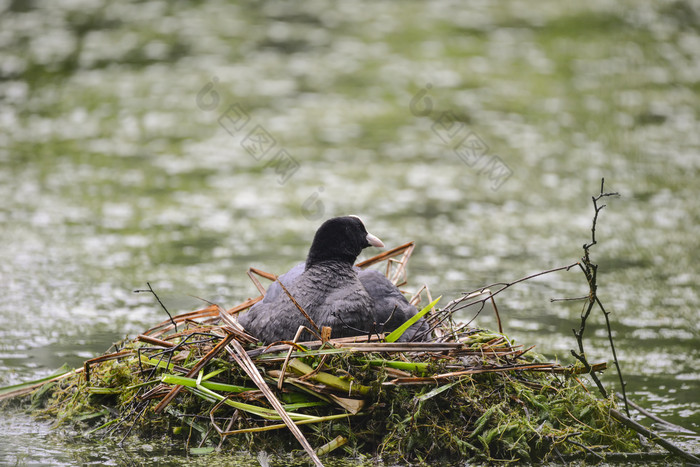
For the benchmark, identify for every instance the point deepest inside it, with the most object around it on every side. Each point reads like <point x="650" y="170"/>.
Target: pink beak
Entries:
<point x="374" y="241"/>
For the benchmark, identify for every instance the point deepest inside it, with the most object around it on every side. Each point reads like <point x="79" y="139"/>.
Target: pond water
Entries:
<point x="181" y="143"/>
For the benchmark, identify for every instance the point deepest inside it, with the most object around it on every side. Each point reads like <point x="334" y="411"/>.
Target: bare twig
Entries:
<point x="301" y="310"/>
<point x="398" y="277"/>
<point x="628" y="422"/>
<point x="255" y="280"/>
<point x="590" y="270"/>
<point x="150" y="289"/>
<point x="573" y="299"/>
<point x="154" y="341"/>
<point x="623" y="384"/>
<point x="466" y="300"/>
<point x="498" y="316"/>
<point x="666" y="424"/>
<point x="585" y="448"/>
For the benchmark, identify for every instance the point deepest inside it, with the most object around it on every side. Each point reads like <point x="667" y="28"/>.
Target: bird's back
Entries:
<point x="391" y="307"/>
<point x="330" y="293"/>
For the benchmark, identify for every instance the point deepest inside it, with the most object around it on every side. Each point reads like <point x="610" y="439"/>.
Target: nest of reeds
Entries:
<point x="467" y="393"/>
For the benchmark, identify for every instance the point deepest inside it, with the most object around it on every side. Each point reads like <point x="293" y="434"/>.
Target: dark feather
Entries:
<point x="332" y="291"/>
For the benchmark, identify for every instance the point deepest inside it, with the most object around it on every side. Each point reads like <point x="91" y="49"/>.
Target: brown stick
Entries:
<point x="255" y="280"/>
<point x="167" y="325"/>
<point x="154" y="341"/>
<point x="385" y="255"/>
<point x="247" y="304"/>
<point x="498" y="316"/>
<point x="473" y="371"/>
<point x="301" y="310"/>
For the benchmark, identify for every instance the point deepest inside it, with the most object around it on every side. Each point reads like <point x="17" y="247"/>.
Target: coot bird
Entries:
<point x="332" y="291"/>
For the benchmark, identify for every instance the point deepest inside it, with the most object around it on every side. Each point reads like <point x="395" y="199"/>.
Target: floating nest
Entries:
<point x="467" y="394"/>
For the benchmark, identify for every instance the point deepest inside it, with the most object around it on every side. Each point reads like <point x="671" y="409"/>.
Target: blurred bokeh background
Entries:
<point x="182" y="142"/>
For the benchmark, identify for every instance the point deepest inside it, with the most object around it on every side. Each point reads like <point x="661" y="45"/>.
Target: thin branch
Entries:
<point x="574" y="299"/>
<point x="628" y="422"/>
<point x="585" y="448"/>
<point x="590" y="270"/>
<point x="623" y="384"/>
<point x="301" y="310"/>
<point x="150" y="289"/>
<point x="666" y="424"/>
<point x="458" y="304"/>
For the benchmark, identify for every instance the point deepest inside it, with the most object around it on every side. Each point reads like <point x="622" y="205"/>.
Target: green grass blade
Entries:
<point x="214" y="386"/>
<point x="416" y="367"/>
<point x="213" y="373"/>
<point x="327" y="418"/>
<point x="329" y="379"/>
<point x="203" y="391"/>
<point x="98" y="390"/>
<point x="157" y="363"/>
<point x="61" y="371"/>
<point x="332" y="445"/>
<point x="436" y="391"/>
<point x="398" y="332"/>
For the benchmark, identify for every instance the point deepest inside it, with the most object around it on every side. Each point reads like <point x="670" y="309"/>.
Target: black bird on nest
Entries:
<point x="333" y="292"/>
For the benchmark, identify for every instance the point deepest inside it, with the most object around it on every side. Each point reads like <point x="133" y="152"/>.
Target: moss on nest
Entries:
<point x="482" y="399"/>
